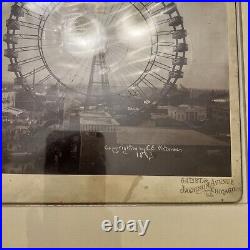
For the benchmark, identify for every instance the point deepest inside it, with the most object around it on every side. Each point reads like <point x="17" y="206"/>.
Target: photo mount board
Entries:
<point x="139" y="189"/>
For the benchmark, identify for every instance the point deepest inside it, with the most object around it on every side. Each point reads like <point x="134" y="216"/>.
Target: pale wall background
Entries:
<point x="171" y="226"/>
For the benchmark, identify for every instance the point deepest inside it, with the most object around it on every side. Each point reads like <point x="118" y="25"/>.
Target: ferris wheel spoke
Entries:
<point x="166" y="55"/>
<point x="149" y="65"/>
<point x="34" y="5"/>
<point x="29" y="27"/>
<point x="162" y="22"/>
<point x="42" y="29"/>
<point x="158" y="77"/>
<point x="142" y="93"/>
<point x="155" y="5"/>
<point x="26" y="48"/>
<point x="43" y="80"/>
<point x="157" y="12"/>
<point x="164" y="33"/>
<point x="116" y="14"/>
<point x="28" y="24"/>
<point x="26" y="36"/>
<point x="23" y="35"/>
<point x="162" y="66"/>
<point x="149" y="84"/>
<point x="166" y="44"/>
<point x="153" y="10"/>
<point x="144" y="12"/>
<point x="148" y="4"/>
<point x="137" y="92"/>
<point x="108" y="16"/>
<point x="29" y="60"/>
<point x="32" y="14"/>
<point x="36" y="70"/>
<point x="49" y="21"/>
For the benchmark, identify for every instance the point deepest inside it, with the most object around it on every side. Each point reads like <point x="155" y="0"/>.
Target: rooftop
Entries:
<point x="97" y="118"/>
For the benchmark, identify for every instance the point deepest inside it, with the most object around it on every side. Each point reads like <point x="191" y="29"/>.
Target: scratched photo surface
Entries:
<point x="116" y="89"/>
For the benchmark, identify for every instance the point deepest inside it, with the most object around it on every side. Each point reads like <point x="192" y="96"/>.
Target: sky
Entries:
<point x="206" y="25"/>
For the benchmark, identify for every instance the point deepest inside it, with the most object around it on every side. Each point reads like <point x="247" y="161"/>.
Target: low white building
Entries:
<point x="98" y="121"/>
<point x="188" y="113"/>
<point x="180" y="113"/>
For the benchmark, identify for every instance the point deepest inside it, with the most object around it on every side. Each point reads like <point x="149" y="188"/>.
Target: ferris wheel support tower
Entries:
<point x="98" y="81"/>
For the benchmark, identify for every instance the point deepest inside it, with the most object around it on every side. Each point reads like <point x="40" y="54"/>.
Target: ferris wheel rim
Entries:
<point x="165" y="88"/>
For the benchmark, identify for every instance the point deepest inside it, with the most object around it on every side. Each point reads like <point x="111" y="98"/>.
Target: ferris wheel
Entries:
<point x="97" y="52"/>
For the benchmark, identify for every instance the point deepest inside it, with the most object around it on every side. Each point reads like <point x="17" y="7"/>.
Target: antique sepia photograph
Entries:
<point x="116" y="89"/>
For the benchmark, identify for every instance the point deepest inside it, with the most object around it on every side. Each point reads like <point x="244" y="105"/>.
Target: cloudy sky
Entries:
<point x="206" y="24"/>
